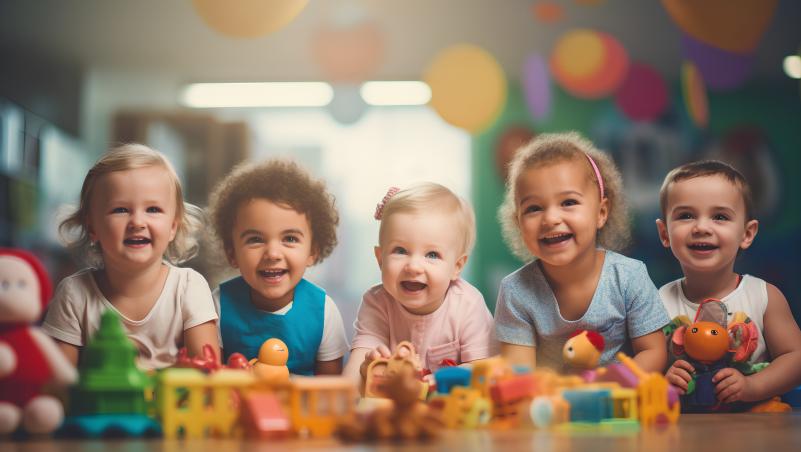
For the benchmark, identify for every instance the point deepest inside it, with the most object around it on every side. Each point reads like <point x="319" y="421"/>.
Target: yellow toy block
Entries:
<point x="317" y="404"/>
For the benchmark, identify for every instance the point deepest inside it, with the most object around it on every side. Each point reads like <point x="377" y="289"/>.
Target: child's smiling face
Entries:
<point x="705" y="223"/>
<point x="272" y="247"/>
<point x="419" y="255"/>
<point x="559" y="211"/>
<point x="133" y="217"/>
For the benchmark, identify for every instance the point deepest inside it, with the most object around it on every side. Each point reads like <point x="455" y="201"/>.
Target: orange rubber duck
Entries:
<point x="271" y="366"/>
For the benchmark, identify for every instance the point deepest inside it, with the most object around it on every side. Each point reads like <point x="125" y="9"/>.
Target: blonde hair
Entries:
<point x="122" y="158"/>
<point x="281" y="182"/>
<point x="428" y="197"/>
<point x="547" y="149"/>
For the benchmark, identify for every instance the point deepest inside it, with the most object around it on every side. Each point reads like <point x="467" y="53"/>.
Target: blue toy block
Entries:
<point x="448" y="377"/>
<point x="793" y="397"/>
<point x="109" y="425"/>
<point x="589" y="405"/>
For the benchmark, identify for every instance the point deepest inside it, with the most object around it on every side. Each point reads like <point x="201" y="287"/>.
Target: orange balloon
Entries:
<point x="733" y="25"/>
<point x="604" y="80"/>
<point x="468" y="87"/>
<point x="248" y="18"/>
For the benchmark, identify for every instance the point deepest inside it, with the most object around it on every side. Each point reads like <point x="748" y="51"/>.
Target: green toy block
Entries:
<point x="110" y="382"/>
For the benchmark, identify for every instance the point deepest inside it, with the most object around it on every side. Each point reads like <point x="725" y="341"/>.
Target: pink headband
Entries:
<point x="379" y="208"/>
<point x="597" y="176"/>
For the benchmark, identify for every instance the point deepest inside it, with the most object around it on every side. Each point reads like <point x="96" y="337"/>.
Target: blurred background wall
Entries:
<point x="655" y="84"/>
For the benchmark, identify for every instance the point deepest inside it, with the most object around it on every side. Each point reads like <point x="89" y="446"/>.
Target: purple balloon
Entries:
<point x="721" y="70"/>
<point x="537" y="86"/>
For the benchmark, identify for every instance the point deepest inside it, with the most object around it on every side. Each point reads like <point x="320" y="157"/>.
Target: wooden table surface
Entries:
<point x="703" y="432"/>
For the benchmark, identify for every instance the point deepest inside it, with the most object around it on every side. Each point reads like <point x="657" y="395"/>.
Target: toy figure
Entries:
<point x="406" y="418"/>
<point x="583" y="350"/>
<point x="271" y="364"/>
<point x="381" y="370"/>
<point x="709" y="345"/>
<point x="28" y="358"/>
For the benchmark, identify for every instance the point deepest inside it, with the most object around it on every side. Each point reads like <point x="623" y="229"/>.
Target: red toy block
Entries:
<point x="513" y="388"/>
<point x="263" y="416"/>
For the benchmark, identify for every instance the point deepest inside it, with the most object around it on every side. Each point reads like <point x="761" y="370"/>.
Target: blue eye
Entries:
<point x="720" y="217"/>
<point x="432" y="255"/>
<point x="154" y="209"/>
<point x="532" y="209"/>
<point x="119" y="210"/>
<point x="253" y="239"/>
<point x="399" y="250"/>
<point x="292" y="239"/>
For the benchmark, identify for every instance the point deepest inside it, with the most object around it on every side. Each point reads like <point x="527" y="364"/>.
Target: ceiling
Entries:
<point x="169" y="37"/>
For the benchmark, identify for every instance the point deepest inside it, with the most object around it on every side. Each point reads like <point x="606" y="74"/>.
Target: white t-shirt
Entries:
<point x="185" y="301"/>
<point x="749" y="297"/>
<point x="333" y="344"/>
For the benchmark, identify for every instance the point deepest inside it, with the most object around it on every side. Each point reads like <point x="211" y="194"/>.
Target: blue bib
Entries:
<point x="244" y="328"/>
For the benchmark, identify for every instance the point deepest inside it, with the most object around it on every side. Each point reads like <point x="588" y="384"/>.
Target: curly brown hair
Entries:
<point x="282" y="182"/>
<point x="559" y="147"/>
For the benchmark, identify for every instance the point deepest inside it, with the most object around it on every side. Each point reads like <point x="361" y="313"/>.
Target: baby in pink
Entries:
<point x="425" y="237"/>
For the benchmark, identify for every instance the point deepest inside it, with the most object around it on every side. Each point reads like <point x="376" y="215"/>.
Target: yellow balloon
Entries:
<point x="579" y="53"/>
<point x="248" y="18"/>
<point x="468" y="87"/>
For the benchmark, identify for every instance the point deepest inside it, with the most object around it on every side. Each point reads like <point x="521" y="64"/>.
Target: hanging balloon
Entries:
<point x="537" y="86"/>
<point x="732" y="25"/>
<point x="722" y="70"/>
<point x="349" y="53"/>
<point x="589" y="64"/>
<point x="694" y="92"/>
<point x="468" y="87"/>
<point x="248" y="18"/>
<point x="347" y="106"/>
<point x="510" y="141"/>
<point x="548" y="12"/>
<point x="643" y="95"/>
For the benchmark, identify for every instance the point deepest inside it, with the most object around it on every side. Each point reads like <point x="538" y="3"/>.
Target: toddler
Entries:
<point x="564" y="207"/>
<point x="425" y="237"/>
<point x="707" y="218"/>
<point x="133" y="226"/>
<point x="273" y="221"/>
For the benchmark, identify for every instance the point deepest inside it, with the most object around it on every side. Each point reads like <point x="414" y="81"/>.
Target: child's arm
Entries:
<point x="71" y="352"/>
<point x="333" y="367"/>
<point x="352" y="368"/>
<point x="519" y="355"/>
<point x="198" y="336"/>
<point x="783" y="340"/>
<point x="650" y="351"/>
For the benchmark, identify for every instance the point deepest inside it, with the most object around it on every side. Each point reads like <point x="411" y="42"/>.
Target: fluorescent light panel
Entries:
<point x="265" y="94"/>
<point x="395" y="93"/>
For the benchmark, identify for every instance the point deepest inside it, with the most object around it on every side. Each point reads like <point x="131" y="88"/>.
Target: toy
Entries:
<point x="263" y="416"/>
<point x="271" y="366"/>
<point x="316" y="404"/>
<point x="381" y="370"/>
<point x="109" y="397"/>
<point x="709" y="346"/>
<point x="583" y="350"/>
<point x="28" y="358"/>
<point x="655" y="403"/>
<point x="406" y="419"/>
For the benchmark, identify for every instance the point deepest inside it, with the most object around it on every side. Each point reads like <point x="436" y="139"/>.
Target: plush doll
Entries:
<point x="583" y="350"/>
<point x="28" y="358"/>
<point x="710" y="344"/>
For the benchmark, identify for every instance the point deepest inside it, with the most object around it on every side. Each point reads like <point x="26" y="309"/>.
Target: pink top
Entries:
<point x="461" y="329"/>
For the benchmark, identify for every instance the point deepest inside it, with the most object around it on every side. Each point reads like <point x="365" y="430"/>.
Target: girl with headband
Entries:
<point x="563" y="214"/>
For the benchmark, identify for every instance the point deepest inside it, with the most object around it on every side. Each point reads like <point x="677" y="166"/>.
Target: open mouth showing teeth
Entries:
<point x="137" y="241"/>
<point x="556" y="239"/>
<point x="702" y="246"/>
<point x="413" y="286"/>
<point x="272" y="273"/>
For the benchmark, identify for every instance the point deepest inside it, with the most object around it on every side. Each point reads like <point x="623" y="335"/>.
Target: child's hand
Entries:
<point x="731" y="385"/>
<point x="680" y="375"/>
<point x="379" y="352"/>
